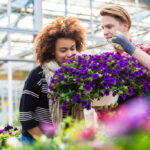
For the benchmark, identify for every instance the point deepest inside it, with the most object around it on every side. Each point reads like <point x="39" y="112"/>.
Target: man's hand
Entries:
<point x="120" y="42"/>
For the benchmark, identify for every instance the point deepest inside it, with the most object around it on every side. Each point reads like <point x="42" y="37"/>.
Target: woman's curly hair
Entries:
<point x="62" y="27"/>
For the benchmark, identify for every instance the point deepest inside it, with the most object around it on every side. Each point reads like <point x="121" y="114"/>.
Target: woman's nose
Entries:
<point x="69" y="54"/>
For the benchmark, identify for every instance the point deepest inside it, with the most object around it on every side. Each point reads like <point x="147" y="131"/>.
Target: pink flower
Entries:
<point x="49" y="129"/>
<point x="87" y="133"/>
<point x="96" y="144"/>
<point x="129" y="117"/>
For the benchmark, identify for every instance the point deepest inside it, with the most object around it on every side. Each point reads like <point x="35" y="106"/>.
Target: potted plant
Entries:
<point x="89" y="77"/>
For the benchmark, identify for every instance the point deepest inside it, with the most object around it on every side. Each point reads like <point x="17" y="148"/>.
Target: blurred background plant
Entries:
<point x="129" y="129"/>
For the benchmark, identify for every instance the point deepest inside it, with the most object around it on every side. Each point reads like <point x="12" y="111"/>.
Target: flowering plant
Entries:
<point x="87" y="77"/>
<point x="6" y="132"/>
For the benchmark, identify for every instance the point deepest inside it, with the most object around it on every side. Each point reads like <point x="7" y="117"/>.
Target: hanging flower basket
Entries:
<point x="89" y="77"/>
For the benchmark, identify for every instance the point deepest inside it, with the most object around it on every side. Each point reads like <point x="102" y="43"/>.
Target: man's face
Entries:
<point x="110" y="25"/>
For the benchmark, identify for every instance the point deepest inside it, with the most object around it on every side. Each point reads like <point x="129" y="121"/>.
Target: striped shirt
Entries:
<point x="34" y="107"/>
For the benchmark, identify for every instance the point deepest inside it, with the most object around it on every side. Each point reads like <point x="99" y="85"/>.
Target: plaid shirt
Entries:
<point x="143" y="47"/>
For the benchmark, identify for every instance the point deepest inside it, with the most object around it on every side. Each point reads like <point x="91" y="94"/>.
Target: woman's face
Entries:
<point x="64" y="49"/>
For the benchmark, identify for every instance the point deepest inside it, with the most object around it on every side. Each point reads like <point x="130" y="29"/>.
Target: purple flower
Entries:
<point x="123" y="96"/>
<point x="131" y="78"/>
<point x="106" y="77"/>
<point x="141" y="72"/>
<point x="143" y="81"/>
<point x="145" y="89"/>
<point x="49" y="129"/>
<point x="105" y="70"/>
<point x="84" y="76"/>
<point x="77" y="80"/>
<point x="101" y="94"/>
<point x="64" y="102"/>
<point x="75" y="99"/>
<point x="60" y="70"/>
<point x="7" y="128"/>
<point x="64" y="108"/>
<point x="95" y="76"/>
<point x="88" y="107"/>
<point x="58" y="95"/>
<point x="119" y="80"/>
<point x="112" y="81"/>
<point x="127" y="69"/>
<point x="114" y="71"/>
<point x="136" y="73"/>
<point x="106" y="92"/>
<point x="119" y="69"/>
<point x="84" y="71"/>
<point x="115" y="93"/>
<point x="105" y="65"/>
<point x="71" y="70"/>
<point x="78" y="73"/>
<point x="82" y="95"/>
<point x="60" y="77"/>
<point x="105" y="84"/>
<point x="84" y="103"/>
<point x="91" y="84"/>
<point x="134" y="65"/>
<point x="87" y="87"/>
<point x="52" y="80"/>
<point x="54" y="101"/>
<point x="50" y="87"/>
<point x="126" y="74"/>
<point x="15" y="129"/>
<point x="130" y="90"/>
<point x="1" y="131"/>
<point x="65" y="80"/>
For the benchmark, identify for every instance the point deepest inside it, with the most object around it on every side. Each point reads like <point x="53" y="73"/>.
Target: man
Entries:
<point x="115" y="18"/>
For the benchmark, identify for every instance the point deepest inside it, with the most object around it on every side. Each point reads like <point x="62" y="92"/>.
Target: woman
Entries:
<point x="55" y="43"/>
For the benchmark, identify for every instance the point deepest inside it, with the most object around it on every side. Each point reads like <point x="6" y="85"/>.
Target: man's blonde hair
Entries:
<point x="118" y="12"/>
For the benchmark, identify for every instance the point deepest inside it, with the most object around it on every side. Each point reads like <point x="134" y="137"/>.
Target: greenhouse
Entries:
<point x="74" y="74"/>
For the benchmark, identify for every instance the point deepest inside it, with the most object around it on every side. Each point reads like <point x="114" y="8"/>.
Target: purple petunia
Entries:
<point x="78" y="73"/>
<point x="87" y="87"/>
<point x="131" y="78"/>
<point x="91" y="84"/>
<point x="106" y="92"/>
<point x="95" y="76"/>
<point x="101" y="94"/>
<point x="65" y="80"/>
<point x="84" y="103"/>
<point x="145" y="89"/>
<point x="130" y="90"/>
<point x="105" y="70"/>
<point x="88" y="76"/>
<point x="105" y="84"/>
<point x="78" y="80"/>
<point x="112" y="81"/>
<point x="75" y="99"/>
<point x="64" y="109"/>
<point x="71" y="70"/>
<point x="137" y="73"/>
<point x="88" y="107"/>
<point x="123" y="96"/>
<point x="50" y="87"/>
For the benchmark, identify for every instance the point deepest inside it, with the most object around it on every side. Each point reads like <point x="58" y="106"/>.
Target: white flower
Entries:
<point x="43" y="138"/>
<point x="13" y="141"/>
